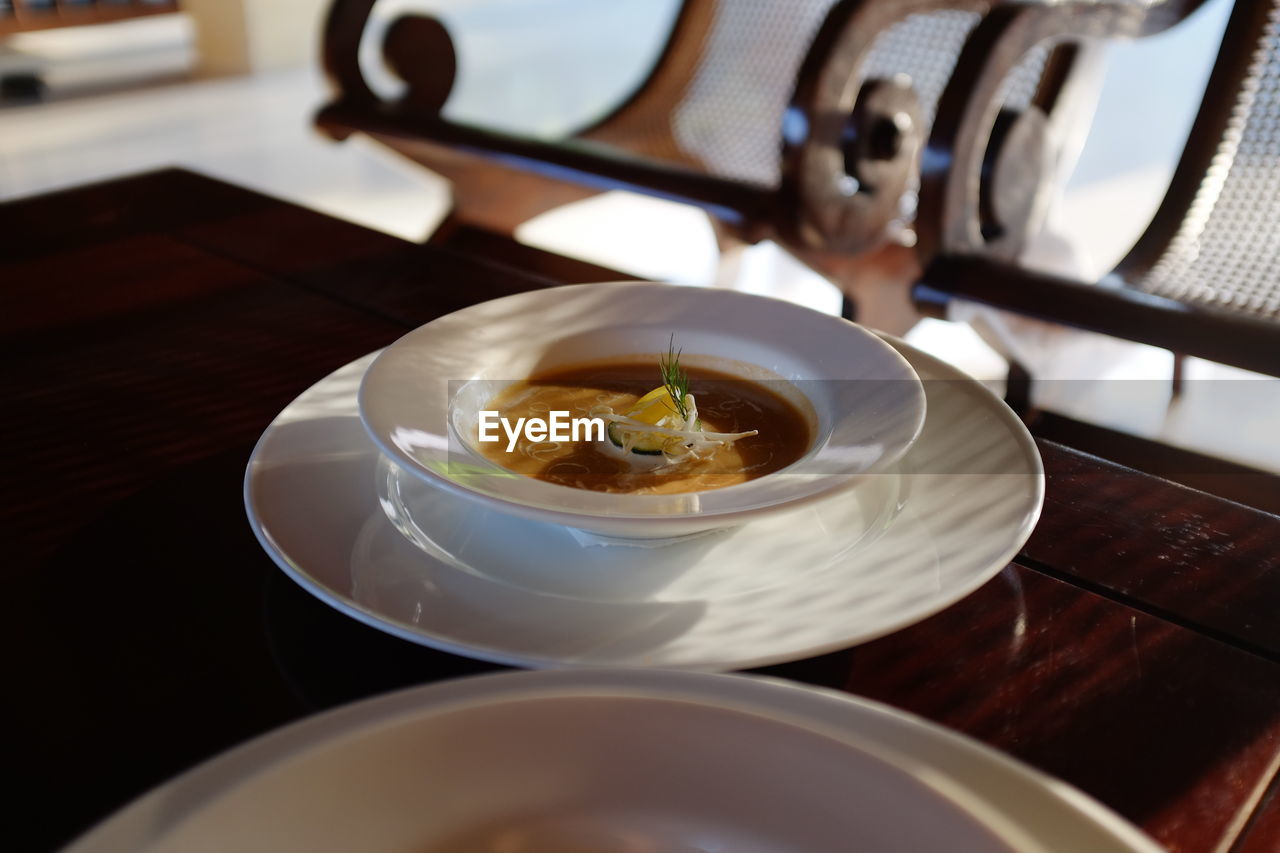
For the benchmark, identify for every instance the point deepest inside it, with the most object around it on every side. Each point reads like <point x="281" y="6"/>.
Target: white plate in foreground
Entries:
<point x="968" y="496"/>
<point x="569" y="762"/>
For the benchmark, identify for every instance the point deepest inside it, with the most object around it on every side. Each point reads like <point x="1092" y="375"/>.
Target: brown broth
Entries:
<point x="725" y="404"/>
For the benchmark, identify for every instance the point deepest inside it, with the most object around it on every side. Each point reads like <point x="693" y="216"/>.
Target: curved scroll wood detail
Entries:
<point x="343" y="31"/>
<point x="420" y="52"/>
<point x="832" y="211"/>
<point x="1015" y="183"/>
<point x="950" y="220"/>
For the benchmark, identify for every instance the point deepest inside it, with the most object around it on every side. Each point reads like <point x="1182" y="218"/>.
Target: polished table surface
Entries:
<point x="153" y="328"/>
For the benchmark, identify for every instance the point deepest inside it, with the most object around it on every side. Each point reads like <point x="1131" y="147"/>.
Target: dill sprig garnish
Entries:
<point x="674" y="378"/>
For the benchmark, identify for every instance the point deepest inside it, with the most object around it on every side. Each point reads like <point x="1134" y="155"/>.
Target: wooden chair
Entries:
<point x="799" y="121"/>
<point x="1204" y="278"/>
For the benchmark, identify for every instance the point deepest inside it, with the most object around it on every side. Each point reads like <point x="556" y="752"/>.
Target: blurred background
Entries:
<point x="93" y="90"/>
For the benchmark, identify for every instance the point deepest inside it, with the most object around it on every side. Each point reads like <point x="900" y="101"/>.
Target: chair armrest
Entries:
<point x="416" y="118"/>
<point x="1109" y="308"/>
<point x="579" y="161"/>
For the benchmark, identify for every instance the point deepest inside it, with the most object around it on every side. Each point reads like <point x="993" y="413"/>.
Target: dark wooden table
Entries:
<point x="154" y="327"/>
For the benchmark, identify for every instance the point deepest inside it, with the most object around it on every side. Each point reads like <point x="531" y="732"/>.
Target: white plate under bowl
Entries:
<point x="965" y="498"/>
<point x="788" y="549"/>
<point x="421" y="398"/>
<point x="607" y="762"/>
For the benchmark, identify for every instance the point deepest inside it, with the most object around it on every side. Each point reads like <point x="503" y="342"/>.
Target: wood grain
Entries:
<point x="1186" y="555"/>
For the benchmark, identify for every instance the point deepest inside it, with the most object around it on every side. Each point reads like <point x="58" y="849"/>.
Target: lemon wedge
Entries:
<point x="654" y="406"/>
<point x="649" y="409"/>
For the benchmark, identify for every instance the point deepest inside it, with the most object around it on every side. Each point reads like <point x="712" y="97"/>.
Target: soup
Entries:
<point x="748" y="430"/>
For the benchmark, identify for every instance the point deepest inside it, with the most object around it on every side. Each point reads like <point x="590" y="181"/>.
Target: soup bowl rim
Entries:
<point x="407" y="398"/>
